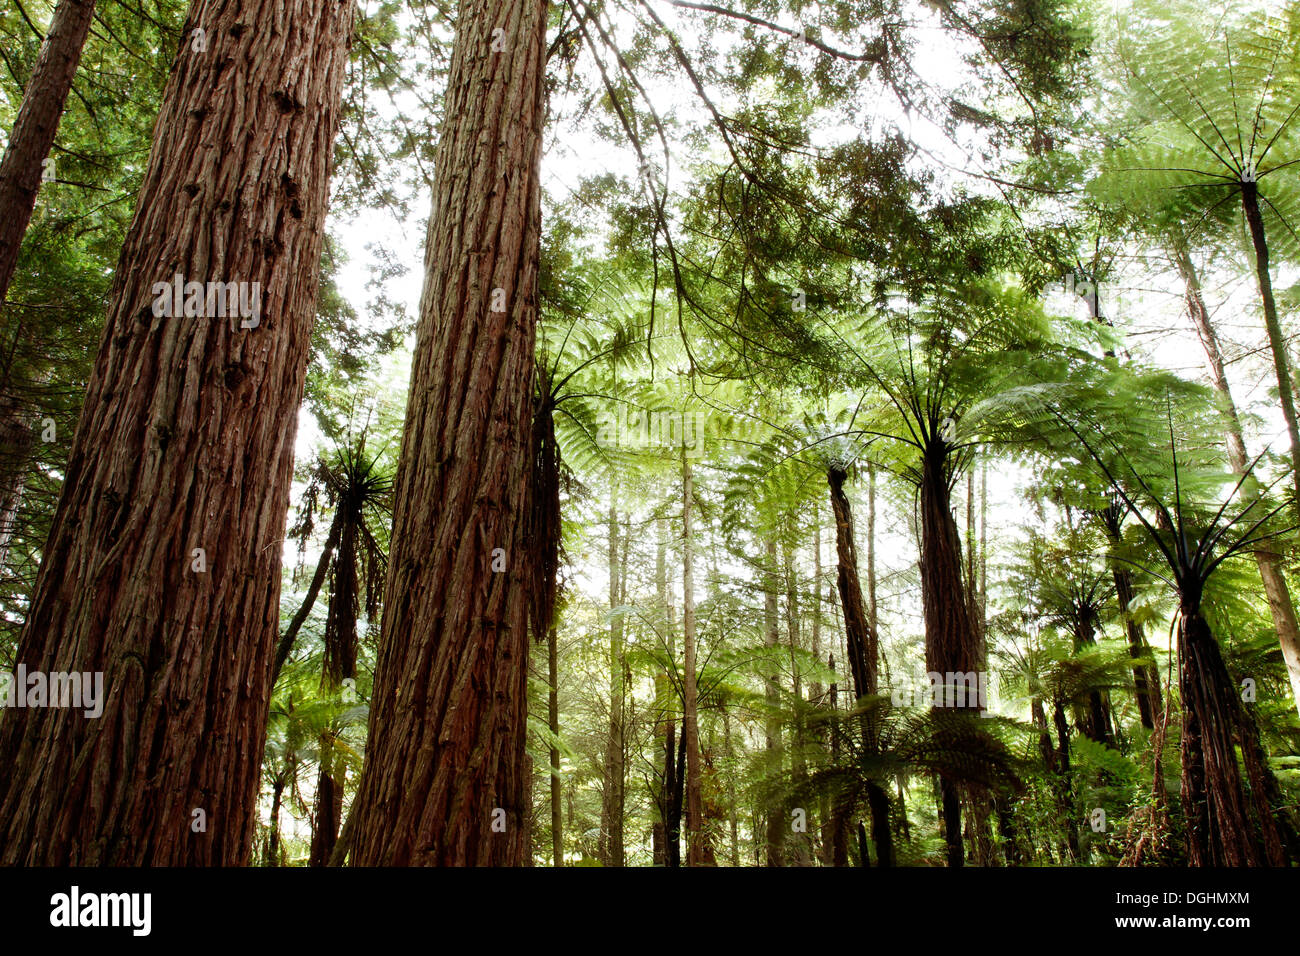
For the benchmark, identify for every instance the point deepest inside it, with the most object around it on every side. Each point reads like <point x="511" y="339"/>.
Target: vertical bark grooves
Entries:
<point x="447" y="722"/>
<point x="1227" y="825"/>
<point x="36" y="126"/>
<point x="185" y="441"/>
<point x="1269" y="562"/>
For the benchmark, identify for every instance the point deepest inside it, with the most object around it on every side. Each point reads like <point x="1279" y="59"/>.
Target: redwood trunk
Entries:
<point x="445" y="759"/>
<point x="185" y="441"/>
<point x="37" y="123"/>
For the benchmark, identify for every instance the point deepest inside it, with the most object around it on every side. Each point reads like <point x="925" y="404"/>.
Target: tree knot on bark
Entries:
<point x="286" y="102"/>
<point x="234" y="374"/>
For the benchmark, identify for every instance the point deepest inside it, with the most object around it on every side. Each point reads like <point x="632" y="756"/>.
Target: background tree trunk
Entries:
<point x="447" y="720"/>
<point x="690" y="706"/>
<point x="553" y="721"/>
<point x="861" y="644"/>
<point x="611" y="830"/>
<point x="774" y="837"/>
<point x="1269" y="562"/>
<point x="1276" y="340"/>
<point x="185" y="441"/>
<point x="36" y="126"/>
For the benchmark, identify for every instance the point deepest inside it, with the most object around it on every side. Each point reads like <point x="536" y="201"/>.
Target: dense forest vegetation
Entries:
<point x="851" y="433"/>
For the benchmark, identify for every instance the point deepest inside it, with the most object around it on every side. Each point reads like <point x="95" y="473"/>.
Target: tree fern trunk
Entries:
<point x="951" y="640"/>
<point x="857" y="626"/>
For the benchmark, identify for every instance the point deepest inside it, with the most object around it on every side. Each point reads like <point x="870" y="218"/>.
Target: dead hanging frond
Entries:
<point x="545" y="521"/>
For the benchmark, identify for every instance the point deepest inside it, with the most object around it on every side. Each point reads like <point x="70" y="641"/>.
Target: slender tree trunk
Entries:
<point x="272" y="849"/>
<point x="16" y="439"/>
<point x="802" y="842"/>
<point x="836" y="841"/>
<point x="1065" y="786"/>
<point x="690" y="705"/>
<point x="873" y="608"/>
<point x="285" y="645"/>
<point x="36" y="126"/>
<point x="443" y="782"/>
<point x="733" y="816"/>
<point x="775" y="827"/>
<point x="984" y="548"/>
<point x="815" y="687"/>
<point x="1270" y="562"/>
<point x="339" y="665"/>
<point x="553" y="721"/>
<point x="1276" y="340"/>
<point x="861" y="639"/>
<point x="185" y="442"/>
<point x="327" y="814"/>
<point x="881" y="834"/>
<point x="678" y="804"/>
<point x="611" y="829"/>
<point x="1146" y="677"/>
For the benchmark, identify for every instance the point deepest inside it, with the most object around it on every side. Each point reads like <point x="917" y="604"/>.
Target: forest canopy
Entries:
<point x="649" y="433"/>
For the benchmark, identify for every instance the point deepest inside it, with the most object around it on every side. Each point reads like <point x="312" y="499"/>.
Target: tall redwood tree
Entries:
<point x="444" y="782"/>
<point x="162" y="569"/>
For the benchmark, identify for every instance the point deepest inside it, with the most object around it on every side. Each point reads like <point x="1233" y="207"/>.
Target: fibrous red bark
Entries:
<point x="185" y="442"/>
<point x="444" y="781"/>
